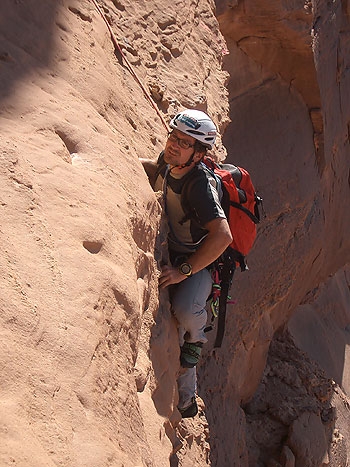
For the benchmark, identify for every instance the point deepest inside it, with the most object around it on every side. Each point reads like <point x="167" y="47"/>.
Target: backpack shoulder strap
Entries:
<point x="186" y="189"/>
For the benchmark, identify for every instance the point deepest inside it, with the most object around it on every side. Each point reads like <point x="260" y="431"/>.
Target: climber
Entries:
<point x="194" y="242"/>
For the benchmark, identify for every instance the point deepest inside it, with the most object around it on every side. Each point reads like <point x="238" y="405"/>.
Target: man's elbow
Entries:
<point x="220" y="229"/>
<point x="225" y="234"/>
<point x="223" y="241"/>
<point x="227" y="238"/>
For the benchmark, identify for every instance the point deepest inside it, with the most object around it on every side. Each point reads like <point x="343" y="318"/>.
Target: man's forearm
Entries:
<point x="216" y="242"/>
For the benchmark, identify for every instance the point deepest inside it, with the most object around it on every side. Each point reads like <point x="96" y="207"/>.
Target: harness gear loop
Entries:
<point x="130" y="68"/>
<point x="216" y="293"/>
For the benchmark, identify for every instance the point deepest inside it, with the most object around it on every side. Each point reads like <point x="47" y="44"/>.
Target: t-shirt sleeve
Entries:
<point x="204" y="200"/>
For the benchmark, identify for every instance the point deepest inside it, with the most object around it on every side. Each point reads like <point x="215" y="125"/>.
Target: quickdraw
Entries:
<point x="215" y="295"/>
<point x="214" y="302"/>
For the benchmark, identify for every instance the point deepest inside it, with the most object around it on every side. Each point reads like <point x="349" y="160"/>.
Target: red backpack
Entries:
<point x="240" y="203"/>
<point x="241" y="206"/>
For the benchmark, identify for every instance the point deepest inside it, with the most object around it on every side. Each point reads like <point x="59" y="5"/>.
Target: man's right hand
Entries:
<point x="170" y="275"/>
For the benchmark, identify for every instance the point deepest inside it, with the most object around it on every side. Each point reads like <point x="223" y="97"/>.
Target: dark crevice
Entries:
<point x="92" y="247"/>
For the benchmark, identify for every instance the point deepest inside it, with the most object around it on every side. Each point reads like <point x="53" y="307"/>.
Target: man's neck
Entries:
<point x="178" y="172"/>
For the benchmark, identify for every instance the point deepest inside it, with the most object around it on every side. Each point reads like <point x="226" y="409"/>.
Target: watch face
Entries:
<point x="186" y="268"/>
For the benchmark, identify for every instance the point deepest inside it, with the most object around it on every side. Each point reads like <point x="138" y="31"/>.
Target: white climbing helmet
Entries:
<point x="197" y="124"/>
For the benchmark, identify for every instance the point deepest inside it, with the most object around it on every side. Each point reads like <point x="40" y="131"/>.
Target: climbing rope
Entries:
<point x="130" y="68"/>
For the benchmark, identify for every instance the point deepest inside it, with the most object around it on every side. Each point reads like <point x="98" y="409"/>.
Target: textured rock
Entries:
<point x="287" y="457"/>
<point x="321" y="327"/>
<point x="308" y="441"/>
<point x="89" y="363"/>
<point x="89" y="350"/>
<point x="290" y="128"/>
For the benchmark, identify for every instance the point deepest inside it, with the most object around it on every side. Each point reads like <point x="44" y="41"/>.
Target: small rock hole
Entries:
<point x="92" y="247"/>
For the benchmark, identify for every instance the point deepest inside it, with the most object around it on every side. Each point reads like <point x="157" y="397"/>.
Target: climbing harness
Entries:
<point x="130" y="68"/>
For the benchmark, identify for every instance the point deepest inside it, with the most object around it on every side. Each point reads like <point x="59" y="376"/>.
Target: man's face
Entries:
<point x="178" y="148"/>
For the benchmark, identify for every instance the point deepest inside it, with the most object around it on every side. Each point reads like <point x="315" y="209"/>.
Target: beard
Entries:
<point x="171" y="156"/>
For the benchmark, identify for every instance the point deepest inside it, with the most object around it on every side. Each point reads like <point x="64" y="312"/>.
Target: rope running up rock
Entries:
<point x="130" y="68"/>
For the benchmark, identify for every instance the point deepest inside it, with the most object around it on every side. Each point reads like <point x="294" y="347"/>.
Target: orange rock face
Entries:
<point x="89" y="352"/>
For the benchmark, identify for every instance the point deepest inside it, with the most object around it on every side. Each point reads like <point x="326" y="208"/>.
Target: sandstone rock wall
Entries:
<point x="289" y="109"/>
<point x="89" y="358"/>
<point x="81" y="384"/>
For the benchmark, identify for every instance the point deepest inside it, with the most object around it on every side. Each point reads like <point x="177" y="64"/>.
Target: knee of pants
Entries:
<point x="188" y="304"/>
<point x="190" y="317"/>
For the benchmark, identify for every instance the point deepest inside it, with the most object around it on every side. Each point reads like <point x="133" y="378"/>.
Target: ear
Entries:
<point x="198" y="156"/>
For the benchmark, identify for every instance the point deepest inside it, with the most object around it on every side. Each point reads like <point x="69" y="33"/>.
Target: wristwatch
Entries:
<point x="186" y="269"/>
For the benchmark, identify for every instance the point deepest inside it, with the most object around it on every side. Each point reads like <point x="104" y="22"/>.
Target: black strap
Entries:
<point x="228" y="270"/>
<point x="255" y="219"/>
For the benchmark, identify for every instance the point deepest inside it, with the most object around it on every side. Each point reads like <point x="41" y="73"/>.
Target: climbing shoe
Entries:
<point x="190" y="411"/>
<point x="190" y="353"/>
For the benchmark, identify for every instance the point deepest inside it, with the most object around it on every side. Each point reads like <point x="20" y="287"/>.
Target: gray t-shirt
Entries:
<point x="187" y="223"/>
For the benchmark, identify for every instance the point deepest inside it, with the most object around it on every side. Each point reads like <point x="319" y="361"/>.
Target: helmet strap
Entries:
<point x="187" y="164"/>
